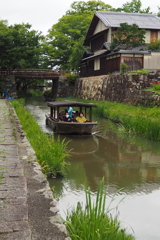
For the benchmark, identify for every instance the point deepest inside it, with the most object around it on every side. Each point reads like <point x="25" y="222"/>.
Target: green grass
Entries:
<point x="141" y="71"/>
<point x="95" y="222"/>
<point x="51" y="154"/>
<point x="155" y="88"/>
<point x="36" y="93"/>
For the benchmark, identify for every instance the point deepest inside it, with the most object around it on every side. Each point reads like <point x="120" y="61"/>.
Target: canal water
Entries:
<point x="130" y="166"/>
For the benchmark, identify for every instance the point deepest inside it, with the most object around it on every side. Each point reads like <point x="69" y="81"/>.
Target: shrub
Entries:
<point x="123" y="68"/>
<point x="154" y="46"/>
<point x="156" y="87"/>
<point x="71" y="78"/>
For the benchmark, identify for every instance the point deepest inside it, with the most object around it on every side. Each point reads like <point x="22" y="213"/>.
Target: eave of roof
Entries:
<point x="95" y="55"/>
<point x="133" y="51"/>
<point x="129" y="52"/>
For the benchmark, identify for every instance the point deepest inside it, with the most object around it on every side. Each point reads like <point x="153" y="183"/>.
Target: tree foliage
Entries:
<point x="154" y="46"/>
<point x="158" y="14"/>
<point x="135" y="6"/>
<point x="19" y="46"/>
<point x="90" y="6"/>
<point x="128" y="36"/>
<point x="65" y="39"/>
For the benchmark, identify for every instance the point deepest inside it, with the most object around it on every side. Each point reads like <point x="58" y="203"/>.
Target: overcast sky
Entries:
<point x="43" y="14"/>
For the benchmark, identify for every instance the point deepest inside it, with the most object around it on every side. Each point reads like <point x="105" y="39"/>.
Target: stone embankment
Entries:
<point x="118" y="88"/>
<point x="27" y="208"/>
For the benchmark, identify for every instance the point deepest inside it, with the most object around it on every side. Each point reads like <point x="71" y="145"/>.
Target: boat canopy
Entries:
<point x="70" y="104"/>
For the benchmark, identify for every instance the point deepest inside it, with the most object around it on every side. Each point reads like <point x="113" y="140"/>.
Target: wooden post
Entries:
<point x="58" y="113"/>
<point x="54" y="116"/>
<point x="90" y="114"/>
<point x="51" y="111"/>
<point x="85" y="112"/>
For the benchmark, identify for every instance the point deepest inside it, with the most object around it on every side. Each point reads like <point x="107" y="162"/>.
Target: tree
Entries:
<point x="90" y="6"/>
<point x="64" y="45"/>
<point x="158" y="14"/>
<point x="20" y="47"/>
<point x="134" y="6"/>
<point x="128" y="36"/>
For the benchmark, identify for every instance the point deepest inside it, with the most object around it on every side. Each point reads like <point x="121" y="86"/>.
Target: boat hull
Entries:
<point x="71" y="127"/>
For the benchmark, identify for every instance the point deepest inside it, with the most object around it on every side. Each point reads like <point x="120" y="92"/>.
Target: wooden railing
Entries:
<point x="40" y="73"/>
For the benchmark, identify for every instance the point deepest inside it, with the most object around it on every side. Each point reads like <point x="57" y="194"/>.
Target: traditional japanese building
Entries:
<point x="98" y="59"/>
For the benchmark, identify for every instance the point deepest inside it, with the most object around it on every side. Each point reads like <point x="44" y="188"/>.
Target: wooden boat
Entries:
<point x="53" y="119"/>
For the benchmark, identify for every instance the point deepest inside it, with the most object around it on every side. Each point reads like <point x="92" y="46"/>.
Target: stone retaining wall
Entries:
<point x="9" y="84"/>
<point x="117" y="88"/>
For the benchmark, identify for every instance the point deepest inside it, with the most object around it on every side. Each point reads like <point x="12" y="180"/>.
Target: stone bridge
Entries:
<point x="9" y="79"/>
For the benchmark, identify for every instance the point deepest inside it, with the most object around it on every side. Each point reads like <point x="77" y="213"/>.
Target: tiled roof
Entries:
<point x="143" y="20"/>
<point x="95" y="55"/>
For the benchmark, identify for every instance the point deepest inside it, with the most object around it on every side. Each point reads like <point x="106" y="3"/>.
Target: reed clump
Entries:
<point x="95" y="222"/>
<point x="50" y="154"/>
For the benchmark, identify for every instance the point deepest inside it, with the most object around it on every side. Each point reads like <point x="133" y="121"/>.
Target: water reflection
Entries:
<point x="121" y="164"/>
<point x="79" y="144"/>
<point x="126" y="162"/>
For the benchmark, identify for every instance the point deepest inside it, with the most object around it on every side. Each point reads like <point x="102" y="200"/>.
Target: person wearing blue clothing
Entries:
<point x="70" y="110"/>
<point x="4" y="94"/>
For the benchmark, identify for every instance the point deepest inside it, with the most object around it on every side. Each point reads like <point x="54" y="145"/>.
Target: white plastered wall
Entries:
<point x="97" y="63"/>
<point x="147" y="37"/>
<point x="152" y="62"/>
<point x="100" y="27"/>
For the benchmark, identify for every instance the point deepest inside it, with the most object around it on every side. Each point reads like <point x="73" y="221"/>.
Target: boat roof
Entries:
<point x="70" y="104"/>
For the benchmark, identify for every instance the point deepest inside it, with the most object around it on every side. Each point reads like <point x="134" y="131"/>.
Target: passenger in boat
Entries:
<point x="70" y="111"/>
<point x="76" y="114"/>
<point x="81" y="118"/>
<point x="67" y="118"/>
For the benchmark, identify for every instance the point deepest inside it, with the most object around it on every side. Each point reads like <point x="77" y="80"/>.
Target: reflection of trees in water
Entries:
<point x="121" y="164"/>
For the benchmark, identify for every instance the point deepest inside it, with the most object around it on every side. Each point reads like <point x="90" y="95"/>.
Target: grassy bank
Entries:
<point x="95" y="222"/>
<point x="155" y="88"/>
<point x="141" y="121"/>
<point x="50" y="154"/>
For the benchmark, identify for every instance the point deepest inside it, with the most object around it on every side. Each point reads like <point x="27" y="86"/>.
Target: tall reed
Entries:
<point x="95" y="222"/>
<point x="51" y="154"/>
<point x="143" y="126"/>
